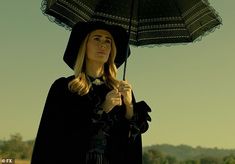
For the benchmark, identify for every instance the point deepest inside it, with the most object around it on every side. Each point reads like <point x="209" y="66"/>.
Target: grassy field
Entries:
<point x="22" y="162"/>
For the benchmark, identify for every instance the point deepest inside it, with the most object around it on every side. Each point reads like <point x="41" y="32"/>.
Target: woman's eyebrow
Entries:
<point x="97" y="35"/>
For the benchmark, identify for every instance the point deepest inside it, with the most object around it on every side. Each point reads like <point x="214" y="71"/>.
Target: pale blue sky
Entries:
<point x="190" y="88"/>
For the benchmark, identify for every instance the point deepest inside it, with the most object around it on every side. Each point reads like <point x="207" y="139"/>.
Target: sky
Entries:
<point x="189" y="87"/>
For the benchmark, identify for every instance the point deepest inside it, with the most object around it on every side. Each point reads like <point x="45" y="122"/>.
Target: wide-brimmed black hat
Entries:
<point x="80" y="31"/>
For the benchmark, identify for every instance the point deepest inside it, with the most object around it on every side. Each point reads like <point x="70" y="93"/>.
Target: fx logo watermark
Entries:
<point x="8" y="161"/>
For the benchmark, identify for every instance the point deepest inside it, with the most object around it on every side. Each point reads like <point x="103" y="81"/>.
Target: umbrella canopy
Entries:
<point x="148" y="21"/>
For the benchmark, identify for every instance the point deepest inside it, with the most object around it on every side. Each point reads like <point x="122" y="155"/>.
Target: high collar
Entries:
<point x="96" y="81"/>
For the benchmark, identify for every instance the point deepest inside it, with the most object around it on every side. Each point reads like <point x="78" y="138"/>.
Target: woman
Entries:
<point x="91" y="117"/>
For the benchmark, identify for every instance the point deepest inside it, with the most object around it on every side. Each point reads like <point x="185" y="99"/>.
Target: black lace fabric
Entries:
<point x="100" y="126"/>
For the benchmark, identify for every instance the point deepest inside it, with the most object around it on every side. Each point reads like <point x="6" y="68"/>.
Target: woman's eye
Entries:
<point x="97" y="39"/>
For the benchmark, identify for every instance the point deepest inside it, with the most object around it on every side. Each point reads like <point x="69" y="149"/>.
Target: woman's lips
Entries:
<point x="101" y="52"/>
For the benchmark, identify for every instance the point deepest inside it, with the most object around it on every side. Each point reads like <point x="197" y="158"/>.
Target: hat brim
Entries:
<point x="80" y="31"/>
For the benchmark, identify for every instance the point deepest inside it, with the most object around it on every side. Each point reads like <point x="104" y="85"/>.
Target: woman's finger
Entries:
<point x="117" y="101"/>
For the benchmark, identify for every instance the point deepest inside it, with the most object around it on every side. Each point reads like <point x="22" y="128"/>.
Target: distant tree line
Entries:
<point x="16" y="148"/>
<point x="152" y="156"/>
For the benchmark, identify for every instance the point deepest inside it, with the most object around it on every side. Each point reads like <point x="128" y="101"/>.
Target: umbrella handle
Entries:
<point x="129" y="33"/>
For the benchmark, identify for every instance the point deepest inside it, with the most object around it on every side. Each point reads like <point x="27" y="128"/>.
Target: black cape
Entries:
<point x="65" y="129"/>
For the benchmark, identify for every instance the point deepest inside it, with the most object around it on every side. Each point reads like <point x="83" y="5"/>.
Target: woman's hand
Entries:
<point x="115" y="97"/>
<point x="112" y="99"/>
<point x="126" y="92"/>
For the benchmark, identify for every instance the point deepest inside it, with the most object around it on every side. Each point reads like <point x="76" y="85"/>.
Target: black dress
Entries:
<point x="102" y="123"/>
<point x="73" y="129"/>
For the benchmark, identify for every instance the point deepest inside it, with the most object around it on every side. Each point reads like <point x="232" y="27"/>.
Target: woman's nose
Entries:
<point x="102" y="44"/>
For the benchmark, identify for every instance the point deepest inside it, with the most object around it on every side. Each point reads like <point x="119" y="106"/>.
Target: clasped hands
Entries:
<point x="122" y="94"/>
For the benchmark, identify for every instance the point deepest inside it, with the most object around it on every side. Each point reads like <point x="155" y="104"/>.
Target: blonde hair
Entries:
<point x="80" y="84"/>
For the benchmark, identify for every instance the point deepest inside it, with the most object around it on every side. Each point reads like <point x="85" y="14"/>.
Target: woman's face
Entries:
<point x="99" y="46"/>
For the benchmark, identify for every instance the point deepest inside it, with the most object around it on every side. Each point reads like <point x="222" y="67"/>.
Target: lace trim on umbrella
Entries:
<point x="51" y="18"/>
<point x="198" y="39"/>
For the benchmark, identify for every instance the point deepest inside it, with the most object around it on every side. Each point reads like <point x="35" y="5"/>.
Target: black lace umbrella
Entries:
<point x="147" y="21"/>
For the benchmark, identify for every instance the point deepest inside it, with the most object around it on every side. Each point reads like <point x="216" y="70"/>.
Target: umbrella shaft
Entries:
<point x="129" y="33"/>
